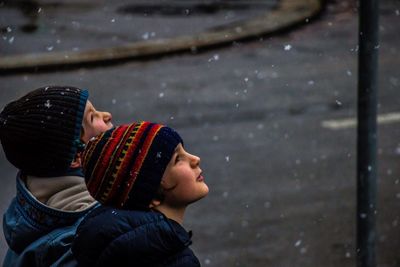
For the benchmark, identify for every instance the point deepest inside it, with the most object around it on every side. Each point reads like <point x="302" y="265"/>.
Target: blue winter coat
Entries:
<point x="113" y="237"/>
<point x="36" y="234"/>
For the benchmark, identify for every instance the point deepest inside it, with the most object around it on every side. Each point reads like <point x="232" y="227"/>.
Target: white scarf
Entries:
<point x="67" y="193"/>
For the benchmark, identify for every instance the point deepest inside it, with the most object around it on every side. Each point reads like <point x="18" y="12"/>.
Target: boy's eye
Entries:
<point x="91" y="117"/>
<point x="177" y="158"/>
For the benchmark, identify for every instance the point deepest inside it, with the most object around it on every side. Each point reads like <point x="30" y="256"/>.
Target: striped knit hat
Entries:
<point x="124" y="165"/>
<point x="40" y="132"/>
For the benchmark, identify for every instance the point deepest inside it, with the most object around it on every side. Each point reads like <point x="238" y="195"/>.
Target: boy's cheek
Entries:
<point x="101" y="126"/>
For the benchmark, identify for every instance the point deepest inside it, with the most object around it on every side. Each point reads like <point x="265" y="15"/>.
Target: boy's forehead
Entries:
<point x="178" y="148"/>
<point x="89" y="106"/>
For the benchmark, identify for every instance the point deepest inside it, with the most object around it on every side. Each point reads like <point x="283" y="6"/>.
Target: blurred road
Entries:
<point x="268" y="118"/>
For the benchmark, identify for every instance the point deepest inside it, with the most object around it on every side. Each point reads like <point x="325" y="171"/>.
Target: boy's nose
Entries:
<point x="195" y="160"/>
<point x="107" y="117"/>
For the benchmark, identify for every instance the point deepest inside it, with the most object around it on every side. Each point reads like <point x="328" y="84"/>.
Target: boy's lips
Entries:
<point x="200" y="178"/>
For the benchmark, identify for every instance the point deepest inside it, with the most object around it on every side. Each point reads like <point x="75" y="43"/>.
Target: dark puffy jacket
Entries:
<point x="36" y="234"/>
<point x="113" y="237"/>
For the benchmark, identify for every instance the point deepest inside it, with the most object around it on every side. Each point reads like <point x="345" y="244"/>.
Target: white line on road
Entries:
<point x="352" y="122"/>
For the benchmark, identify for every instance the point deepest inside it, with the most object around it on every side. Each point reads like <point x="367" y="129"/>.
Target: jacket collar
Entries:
<point x="27" y="219"/>
<point x="40" y="215"/>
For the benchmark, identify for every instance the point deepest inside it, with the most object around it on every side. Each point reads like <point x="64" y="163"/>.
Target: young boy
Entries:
<point x="145" y="180"/>
<point x="43" y="134"/>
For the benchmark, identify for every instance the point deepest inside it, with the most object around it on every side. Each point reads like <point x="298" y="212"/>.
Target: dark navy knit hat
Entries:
<point x="124" y="165"/>
<point x="40" y="132"/>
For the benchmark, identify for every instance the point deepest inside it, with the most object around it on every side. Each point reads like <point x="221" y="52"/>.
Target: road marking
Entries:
<point x="352" y="122"/>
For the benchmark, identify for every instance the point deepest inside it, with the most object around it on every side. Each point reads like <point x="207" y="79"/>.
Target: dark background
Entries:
<point x="282" y="183"/>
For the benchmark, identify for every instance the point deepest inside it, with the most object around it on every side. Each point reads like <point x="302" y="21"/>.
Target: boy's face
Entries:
<point x="94" y="122"/>
<point x="183" y="182"/>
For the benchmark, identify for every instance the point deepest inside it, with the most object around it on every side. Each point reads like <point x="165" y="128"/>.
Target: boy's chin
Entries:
<point x="204" y="192"/>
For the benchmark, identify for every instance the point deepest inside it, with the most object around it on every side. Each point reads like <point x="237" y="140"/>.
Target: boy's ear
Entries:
<point x="77" y="163"/>
<point x="154" y="203"/>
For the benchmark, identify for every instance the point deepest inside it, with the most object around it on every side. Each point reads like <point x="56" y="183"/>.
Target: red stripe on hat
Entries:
<point x="98" y="177"/>
<point x="119" y="173"/>
<point x="111" y="180"/>
<point x="139" y="162"/>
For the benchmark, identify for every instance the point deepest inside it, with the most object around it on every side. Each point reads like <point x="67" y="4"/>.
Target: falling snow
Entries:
<point x="147" y="35"/>
<point x="271" y="131"/>
<point x="47" y="104"/>
<point x="214" y="58"/>
<point x="287" y="47"/>
<point x="238" y="29"/>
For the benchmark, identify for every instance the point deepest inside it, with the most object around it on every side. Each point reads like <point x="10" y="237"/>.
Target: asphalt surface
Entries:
<point x="50" y="26"/>
<point x="282" y="184"/>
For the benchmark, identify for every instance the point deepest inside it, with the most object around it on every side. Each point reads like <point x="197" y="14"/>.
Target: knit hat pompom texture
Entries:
<point x="40" y="132"/>
<point x="124" y="165"/>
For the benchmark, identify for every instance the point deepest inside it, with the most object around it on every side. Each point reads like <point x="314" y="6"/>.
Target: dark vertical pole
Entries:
<point x="367" y="132"/>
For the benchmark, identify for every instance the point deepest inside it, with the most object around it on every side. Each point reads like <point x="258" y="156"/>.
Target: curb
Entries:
<point x="288" y="14"/>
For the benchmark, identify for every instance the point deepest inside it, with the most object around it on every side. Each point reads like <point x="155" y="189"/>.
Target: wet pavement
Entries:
<point x="51" y="26"/>
<point x="282" y="181"/>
